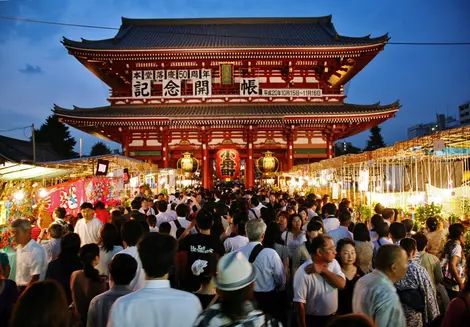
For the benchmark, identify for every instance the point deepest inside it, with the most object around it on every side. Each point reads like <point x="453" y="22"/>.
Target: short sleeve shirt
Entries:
<point x="320" y="298"/>
<point x="30" y="260"/>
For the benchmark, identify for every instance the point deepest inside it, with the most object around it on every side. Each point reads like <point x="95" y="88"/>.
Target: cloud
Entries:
<point x="31" y="69"/>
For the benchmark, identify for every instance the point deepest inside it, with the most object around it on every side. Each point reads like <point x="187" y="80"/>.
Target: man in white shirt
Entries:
<point x="157" y="303"/>
<point x="182" y="213"/>
<point x="162" y="216"/>
<point x="270" y="273"/>
<point x="342" y="231"/>
<point x="388" y="214"/>
<point x="239" y="231"/>
<point x="31" y="258"/>
<point x="311" y="210"/>
<point x="89" y="227"/>
<point x="256" y="205"/>
<point x="171" y="213"/>
<point x="316" y="284"/>
<point x="375" y="294"/>
<point x="330" y="222"/>
<point x="145" y="209"/>
<point x="131" y="233"/>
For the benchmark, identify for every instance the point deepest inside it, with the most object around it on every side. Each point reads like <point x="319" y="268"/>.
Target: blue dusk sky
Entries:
<point x="36" y="71"/>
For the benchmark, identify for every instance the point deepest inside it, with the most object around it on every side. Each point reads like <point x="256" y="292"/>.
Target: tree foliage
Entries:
<point x="342" y="148"/>
<point x="376" y="140"/>
<point x="57" y="134"/>
<point x="99" y="148"/>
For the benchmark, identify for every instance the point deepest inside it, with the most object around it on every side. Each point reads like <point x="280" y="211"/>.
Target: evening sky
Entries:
<point x="36" y="70"/>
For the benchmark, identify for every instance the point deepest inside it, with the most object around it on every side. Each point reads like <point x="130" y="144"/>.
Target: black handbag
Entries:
<point x="414" y="298"/>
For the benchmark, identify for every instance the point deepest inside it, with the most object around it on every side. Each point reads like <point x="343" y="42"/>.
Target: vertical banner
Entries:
<point x="363" y="183"/>
<point x="226" y="74"/>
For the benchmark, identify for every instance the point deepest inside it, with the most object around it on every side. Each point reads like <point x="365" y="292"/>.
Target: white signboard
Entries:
<point x="141" y="88"/>
<point x="291" y="92"/>
<point x="171" y="82"/>
<point x="202" y="88"/>
<point x="363" y="183"/>
<point x="249" y="87"/>
<point x="201" y="80"/>
<point x="171" y="88"/>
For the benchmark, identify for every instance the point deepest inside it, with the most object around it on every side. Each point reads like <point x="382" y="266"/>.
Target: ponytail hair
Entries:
<point x="88" y="253"/>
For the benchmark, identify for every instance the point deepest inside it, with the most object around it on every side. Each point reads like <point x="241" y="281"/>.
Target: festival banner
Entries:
<point x="70" y="195"/>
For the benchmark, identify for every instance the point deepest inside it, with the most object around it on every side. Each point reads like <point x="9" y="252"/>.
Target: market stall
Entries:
<point x="28" y="190"/>
<point x="427" y="174"/>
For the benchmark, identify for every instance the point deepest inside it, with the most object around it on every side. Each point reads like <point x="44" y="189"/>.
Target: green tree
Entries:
<point x="342" y="148"/>
<point x="376" y="140"/>
<point x="57" y="134"/>
<point x="99" y="148"/>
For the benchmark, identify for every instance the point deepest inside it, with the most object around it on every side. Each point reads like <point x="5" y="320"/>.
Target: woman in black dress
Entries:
<point x="346" y="256"/>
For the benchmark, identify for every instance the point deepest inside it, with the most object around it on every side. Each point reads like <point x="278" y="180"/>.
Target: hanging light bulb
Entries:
<point x="19" y="195"/>
<point x="43" y="193"/>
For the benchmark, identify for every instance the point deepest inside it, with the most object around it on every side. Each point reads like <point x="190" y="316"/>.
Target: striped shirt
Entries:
<point x="213" y="317"/>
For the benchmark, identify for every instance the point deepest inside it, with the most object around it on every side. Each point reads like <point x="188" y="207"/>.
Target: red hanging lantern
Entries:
<point x="227" y="162"/>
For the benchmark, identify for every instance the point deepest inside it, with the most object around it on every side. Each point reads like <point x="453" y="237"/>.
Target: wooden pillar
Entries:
<point x="125" y="146"/>
<point x="206" y="172"/>
<point x="165" y="149"/>
<point x="329" y="147"/>
<point x="249" y="166"/>
<point x="290" y="149"/>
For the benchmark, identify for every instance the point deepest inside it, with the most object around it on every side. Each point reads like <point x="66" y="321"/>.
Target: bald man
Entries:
<point x="375" y="295"/>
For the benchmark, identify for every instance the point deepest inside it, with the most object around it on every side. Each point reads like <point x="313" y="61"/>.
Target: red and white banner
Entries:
<point x="70" y="195"/>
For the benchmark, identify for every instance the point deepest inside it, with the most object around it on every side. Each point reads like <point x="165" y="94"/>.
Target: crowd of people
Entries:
<point x="234" y="257"/>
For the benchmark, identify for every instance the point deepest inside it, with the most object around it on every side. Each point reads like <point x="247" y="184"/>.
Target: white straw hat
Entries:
<point x="234" y="272"/>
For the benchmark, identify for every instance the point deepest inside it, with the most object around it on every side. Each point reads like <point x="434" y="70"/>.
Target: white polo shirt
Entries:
<point x="234" y="243"/>
<point x="30" y="260"/>
<point x="89" y="232"/>
<point x="157" y="304"/>
<point x="340" y="233"/>
<point x="330" y="223"/>
<point x="319" y="297"/>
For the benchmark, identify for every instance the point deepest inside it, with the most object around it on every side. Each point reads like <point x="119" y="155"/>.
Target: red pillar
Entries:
<point x="125" y="146"/>
<point x="329" y="147"/>
<point x="290" y="150"/>
<point x="206" y="173"/>
<point x="249" y="167"/>
<point x="165" y="150"/>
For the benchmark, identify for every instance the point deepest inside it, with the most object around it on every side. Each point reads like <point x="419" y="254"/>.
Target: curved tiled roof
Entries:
<point x="225" y="33"/>
<point x="225" y="111"/>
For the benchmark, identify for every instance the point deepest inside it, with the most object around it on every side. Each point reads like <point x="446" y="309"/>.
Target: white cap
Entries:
<point x="234" y="272"/>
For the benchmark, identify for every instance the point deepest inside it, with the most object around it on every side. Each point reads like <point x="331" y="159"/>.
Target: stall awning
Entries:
<point x="17" y="171"/>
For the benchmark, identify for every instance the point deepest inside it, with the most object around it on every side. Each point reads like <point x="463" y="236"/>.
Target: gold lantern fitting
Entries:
<point x="268" y="164"/>
<point x="188" y="164"/>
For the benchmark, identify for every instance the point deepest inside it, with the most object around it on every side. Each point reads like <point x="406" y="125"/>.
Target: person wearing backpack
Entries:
<point x="181" y="221"/>
<point x="270" y="272"/>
